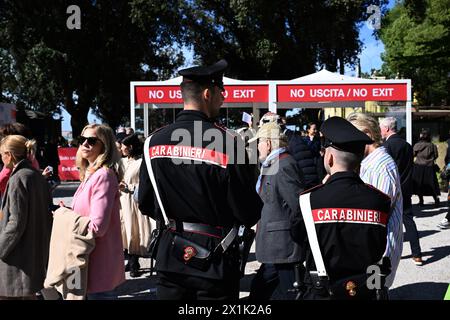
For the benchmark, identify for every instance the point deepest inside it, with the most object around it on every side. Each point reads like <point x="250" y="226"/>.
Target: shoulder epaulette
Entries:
<point x="372" y="187"/>
<point x="226" y="130"/>
<point x="158" y="129"/>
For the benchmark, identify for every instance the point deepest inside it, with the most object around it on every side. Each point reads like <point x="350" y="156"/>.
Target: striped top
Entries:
<point x="379" y="170"/>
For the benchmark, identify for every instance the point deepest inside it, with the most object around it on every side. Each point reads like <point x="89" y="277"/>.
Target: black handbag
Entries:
<point x="191" y="253"/>
<point x="155" y="237"/>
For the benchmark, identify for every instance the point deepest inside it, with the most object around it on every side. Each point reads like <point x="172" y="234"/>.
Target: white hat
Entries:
<point x="269" y="130"/>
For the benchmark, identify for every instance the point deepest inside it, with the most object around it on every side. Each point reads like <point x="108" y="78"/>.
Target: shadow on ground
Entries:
<point x="419" y="291"/>
<point x="428" y="211"/>
<point x="143" y="288"/>
<point x="434" y="255"/>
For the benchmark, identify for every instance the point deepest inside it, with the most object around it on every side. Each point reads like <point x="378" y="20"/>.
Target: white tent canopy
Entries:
<point x="320" y="89"/>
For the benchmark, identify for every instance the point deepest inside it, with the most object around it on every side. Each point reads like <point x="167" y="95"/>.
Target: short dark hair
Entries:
<point x="425" y="135"/>
<point x="308" y="126"/>
<point x="135" y="143"/>
<point x="191" y="91"/>
<point x="348" y="159"/>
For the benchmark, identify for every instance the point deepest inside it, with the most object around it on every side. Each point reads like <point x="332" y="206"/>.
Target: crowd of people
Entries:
<point x="312" y="241"/>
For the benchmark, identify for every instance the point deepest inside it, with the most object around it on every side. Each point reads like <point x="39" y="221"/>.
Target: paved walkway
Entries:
<point x="429" y="281"/>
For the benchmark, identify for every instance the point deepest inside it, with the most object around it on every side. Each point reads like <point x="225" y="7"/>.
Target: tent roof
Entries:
<point x="321" y="77"/>
<point x="326" y="76"/>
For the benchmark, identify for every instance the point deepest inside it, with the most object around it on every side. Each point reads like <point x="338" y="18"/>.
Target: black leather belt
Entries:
<point x="200" y="228"/>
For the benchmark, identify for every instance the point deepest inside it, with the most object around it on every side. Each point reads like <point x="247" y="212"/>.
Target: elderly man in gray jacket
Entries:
<point x="279" y="186"/>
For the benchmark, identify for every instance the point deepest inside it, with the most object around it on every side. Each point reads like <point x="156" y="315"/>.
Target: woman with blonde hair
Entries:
<point x="25" y="222"/>
<point x="17" y="128"/>
<point x="97" y="197"/>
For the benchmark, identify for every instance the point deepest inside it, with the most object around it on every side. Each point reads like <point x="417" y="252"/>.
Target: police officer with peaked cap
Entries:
<point x="205" y="186"/>
<point x="349" y="218"/>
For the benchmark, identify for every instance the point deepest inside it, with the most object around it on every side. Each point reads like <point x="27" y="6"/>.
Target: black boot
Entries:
<point x="134" y="266"/>
<point x="420" y="201"/>
<point x="126" y="256"/>
<point x="437" y="202"/>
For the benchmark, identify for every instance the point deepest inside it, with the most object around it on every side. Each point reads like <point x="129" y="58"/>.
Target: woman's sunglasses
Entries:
<point x="90" y="140"/>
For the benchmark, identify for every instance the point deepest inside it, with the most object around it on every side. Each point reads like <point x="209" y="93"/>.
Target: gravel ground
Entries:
<point x="429" y="281"/>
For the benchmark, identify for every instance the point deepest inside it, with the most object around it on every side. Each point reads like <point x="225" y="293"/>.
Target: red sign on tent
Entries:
<point x="67" y="168"/>
<point x="172" y="94"/>
<point x="341" y="92"/>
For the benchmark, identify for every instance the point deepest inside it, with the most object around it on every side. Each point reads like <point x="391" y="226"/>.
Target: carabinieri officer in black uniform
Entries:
<point x="206" y="189"/>
<point x="349" y="221"/>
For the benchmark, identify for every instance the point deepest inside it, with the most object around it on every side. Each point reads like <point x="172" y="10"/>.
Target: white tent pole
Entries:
<point x="132" y="107"/>
<point x="272" y="97"/>
<point x="408" y="112"/>
<point x="146" y="124"/>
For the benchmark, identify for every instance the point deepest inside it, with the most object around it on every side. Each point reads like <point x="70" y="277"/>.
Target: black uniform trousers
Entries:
<point x="175" y="286"/>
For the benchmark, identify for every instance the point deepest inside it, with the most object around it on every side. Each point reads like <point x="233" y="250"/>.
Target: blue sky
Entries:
<point x="370" y="58"/>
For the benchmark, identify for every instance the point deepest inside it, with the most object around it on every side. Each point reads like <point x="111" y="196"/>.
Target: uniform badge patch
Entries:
<point x="189" y="252"/>
<point x="350" y="286"/>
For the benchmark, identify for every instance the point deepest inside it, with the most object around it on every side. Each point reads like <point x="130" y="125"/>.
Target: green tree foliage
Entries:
<point x="44" y="65"/>
<point x="416" y="35"/>
<point x="276" y="39"/>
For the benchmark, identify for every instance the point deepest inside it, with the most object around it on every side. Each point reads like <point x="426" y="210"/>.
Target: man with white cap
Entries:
<point x="279" y="184"/>
<point x="298" y="149"/>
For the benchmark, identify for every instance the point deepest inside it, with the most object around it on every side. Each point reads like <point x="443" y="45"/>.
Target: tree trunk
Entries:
<point x="341" y="65"/>
<point x="78" y="112"/>
<point x="79" y="118"/>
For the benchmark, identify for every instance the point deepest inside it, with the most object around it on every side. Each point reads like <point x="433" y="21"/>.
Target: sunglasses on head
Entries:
<point x="90" y="140"/>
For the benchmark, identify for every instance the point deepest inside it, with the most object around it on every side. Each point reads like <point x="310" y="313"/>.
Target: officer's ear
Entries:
<point x="329" y="158"/>
<point x="207" y="93"/>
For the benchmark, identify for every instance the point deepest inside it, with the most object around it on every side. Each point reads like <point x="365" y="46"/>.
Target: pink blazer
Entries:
<point x="98" y="198"/>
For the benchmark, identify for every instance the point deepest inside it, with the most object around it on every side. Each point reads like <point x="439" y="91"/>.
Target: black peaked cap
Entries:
<point x="342" y="135"/>
<point x="205" y="74"/>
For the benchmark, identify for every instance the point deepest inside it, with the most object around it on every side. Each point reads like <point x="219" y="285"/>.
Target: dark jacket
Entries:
<point x="350" y="219"/>
<point x="281" y="184"/>
<point x="24" y="232"/>
<point x="425" y="153"/>
<point x="402" y="153"/>
<point x="304" y="157"/>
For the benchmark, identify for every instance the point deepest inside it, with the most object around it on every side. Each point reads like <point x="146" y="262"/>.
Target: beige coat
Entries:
<point x="70" y="245"/>
<point x="136" y="228"/>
